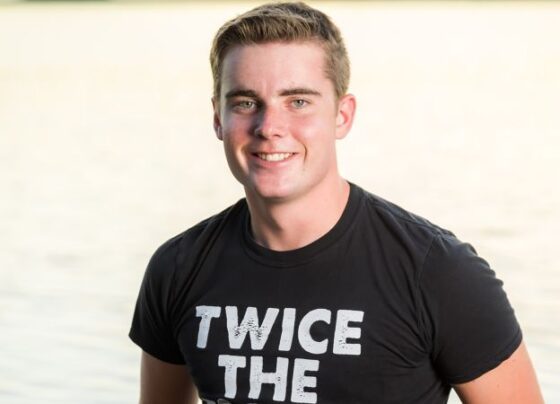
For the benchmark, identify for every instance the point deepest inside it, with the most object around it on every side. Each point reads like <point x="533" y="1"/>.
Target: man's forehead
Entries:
<point x="288" y="66"/>
<point x="276" y="44"/>
<point x="274" y="47"/>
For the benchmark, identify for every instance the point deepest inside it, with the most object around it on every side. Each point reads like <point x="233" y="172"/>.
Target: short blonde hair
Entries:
<point x="283" y="22"/>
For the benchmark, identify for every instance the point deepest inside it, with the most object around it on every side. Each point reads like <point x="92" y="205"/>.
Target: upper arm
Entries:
<point x="513" y="381"/>
<point x="162" y="382"/>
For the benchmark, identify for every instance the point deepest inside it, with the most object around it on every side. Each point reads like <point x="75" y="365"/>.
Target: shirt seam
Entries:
<point x="433" y="228"/>
<point x="418" y="294"/>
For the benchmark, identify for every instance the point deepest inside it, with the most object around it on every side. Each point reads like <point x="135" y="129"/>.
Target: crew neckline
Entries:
<point x="302" y="255"/>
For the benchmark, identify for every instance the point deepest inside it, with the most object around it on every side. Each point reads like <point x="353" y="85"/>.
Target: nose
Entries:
<point x="270" y="123"/>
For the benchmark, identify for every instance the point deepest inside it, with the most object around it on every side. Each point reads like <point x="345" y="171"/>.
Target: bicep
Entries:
<point x="162" y="382"/>
<point x="513" y="381"/>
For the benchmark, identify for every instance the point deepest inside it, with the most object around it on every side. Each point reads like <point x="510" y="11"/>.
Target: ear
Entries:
<point x="345" y="115"/>
<point x="217" y="121"/>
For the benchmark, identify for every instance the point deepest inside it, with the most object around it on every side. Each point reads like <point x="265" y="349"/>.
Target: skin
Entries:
<point x="270" y="106"/>
<point x="165" y="383"/>
<point x="275" y="99"/>
<point x="513" y="381"/>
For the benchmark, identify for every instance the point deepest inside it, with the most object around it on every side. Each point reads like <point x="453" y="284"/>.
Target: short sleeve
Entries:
<point x="469" y="321"/>
<point x="152" y="328"/>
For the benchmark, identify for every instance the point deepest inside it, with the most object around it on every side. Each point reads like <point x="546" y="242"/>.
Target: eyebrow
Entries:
<point x="299" y="91"/>
<point x="240" y="92"/>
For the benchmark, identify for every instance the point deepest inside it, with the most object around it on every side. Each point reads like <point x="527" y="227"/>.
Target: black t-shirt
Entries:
<point x="384" y="308"/>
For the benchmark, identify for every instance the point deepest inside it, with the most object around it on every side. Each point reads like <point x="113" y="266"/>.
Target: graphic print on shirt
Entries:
<point x="244" y="323"/>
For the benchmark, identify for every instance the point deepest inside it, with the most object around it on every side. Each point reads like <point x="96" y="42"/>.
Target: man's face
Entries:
<point x="279" y="119"/>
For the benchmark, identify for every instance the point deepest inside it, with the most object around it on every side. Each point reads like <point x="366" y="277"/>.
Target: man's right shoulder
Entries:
<point x="174" y="252"/>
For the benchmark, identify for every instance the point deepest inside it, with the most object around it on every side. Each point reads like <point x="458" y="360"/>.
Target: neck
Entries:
<point x="284" y="226"/>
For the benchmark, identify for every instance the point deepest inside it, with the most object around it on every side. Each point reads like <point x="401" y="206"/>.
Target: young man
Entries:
<point x="312" y="290"/>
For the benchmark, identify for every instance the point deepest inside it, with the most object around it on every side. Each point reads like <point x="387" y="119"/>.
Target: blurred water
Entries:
<point x="106" y="150"/>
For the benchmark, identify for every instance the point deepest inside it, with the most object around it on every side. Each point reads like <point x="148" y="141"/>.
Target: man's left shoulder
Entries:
<point x="400" y="221"/>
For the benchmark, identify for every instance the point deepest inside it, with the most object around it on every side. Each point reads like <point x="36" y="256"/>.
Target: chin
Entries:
<point x="272" y="193"/>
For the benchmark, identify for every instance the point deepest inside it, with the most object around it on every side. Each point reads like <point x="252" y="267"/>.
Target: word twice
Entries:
<point x="259" y="331"/>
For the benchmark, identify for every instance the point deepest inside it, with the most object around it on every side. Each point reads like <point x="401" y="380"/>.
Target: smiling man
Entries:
<point x="311" y="289"/>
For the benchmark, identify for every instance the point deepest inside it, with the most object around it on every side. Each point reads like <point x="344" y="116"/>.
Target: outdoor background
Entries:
<point x="107" y="150"/>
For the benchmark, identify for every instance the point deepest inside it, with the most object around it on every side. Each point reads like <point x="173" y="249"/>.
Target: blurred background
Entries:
<point x="107" y="150"/>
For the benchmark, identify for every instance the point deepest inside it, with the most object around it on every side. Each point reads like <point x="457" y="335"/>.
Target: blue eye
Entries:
<point x="243" y="105"/>
<point x="299" y="103"/>
<point x="246" y="104"/>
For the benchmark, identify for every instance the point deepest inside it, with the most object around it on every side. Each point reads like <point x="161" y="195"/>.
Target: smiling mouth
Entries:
<point x="274" y="156"/>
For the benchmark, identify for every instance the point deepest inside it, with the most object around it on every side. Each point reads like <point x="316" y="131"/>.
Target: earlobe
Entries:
<point x="218" y="130"/>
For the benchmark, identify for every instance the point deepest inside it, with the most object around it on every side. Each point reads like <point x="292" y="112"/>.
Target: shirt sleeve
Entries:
<point x="152" y="327"/>
<point x="469" y="321"/>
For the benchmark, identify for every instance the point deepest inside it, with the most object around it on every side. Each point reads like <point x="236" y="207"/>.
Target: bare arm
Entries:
<point x="165" y="383"/>
<point x="513" y="381"/>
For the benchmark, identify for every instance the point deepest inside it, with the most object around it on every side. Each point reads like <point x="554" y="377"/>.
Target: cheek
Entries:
<point x="316" y="129"/>
<point x="234" y="143"/>
<point x="236" y="129"/>
<point x="232" y="146"/>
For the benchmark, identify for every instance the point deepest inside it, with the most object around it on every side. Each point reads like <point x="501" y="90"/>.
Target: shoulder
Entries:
<point x="435" y="254"/>
<point x="441" y="249"/>
<point x="178" y="249"/>
<point x="398" y="229"/>
<point x="396" y="216"/>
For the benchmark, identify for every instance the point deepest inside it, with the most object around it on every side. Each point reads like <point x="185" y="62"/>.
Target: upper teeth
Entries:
<point x="274" y="156"/>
